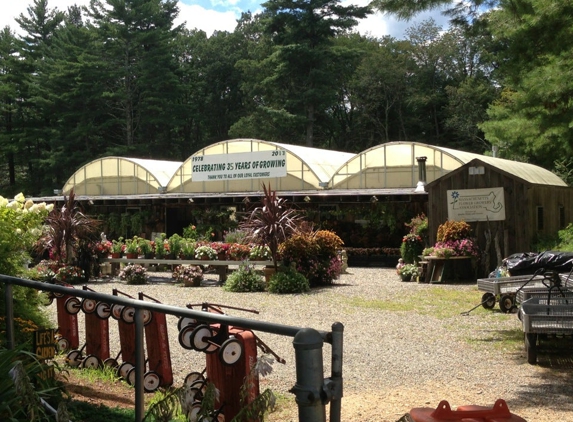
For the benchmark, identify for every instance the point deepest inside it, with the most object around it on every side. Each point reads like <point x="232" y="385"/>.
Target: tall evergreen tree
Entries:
<point x="301" y="84"/>
<point x="142" y="85"/>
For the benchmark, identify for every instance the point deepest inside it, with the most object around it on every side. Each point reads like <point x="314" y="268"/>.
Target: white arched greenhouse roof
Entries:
<point x="394" y="165"/>
<point x="121" y="176"/>
<point x="242" y="165"/>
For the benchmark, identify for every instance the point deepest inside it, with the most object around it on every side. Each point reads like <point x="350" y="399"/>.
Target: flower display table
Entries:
<point x="437" y="266"/>
<point x="221" y="266"/>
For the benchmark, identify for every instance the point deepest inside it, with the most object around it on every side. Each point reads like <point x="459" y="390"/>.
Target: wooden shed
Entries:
<point x="510" y="205"/>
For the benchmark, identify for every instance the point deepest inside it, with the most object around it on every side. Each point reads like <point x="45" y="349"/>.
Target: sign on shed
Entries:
<point x="476" y="204"/>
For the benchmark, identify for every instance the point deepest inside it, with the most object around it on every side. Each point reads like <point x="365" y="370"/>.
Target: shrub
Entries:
<point x="134" y="274"/>
<point x="328" y="242"/>
<point x="453" y="230"/>
<point x="207" y="251"/>
<point x="288" y="281"/>
<point x="237" y="236"/>
<point x="70" y="274"/>
<point x="412" y="246"/>
<point x="260" y="253"/>
<point x="245" y="279"/>
<point x="189" y="275"/>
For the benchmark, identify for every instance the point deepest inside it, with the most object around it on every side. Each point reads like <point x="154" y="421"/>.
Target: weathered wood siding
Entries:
<point x="519" y="232"/>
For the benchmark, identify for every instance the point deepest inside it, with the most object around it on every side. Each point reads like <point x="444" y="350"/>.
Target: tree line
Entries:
<point x="120" y="78"/>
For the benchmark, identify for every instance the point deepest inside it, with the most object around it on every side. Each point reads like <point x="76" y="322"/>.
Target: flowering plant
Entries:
<point x="205" y="250"/>
<point x="409" y="270"/>
<point x="462" y="247"/>
<point x="238" y="251"/>
<point x="134" y="274"/>
<point x="103" y="247"/>
<point x="145" y="246"/>
<point x="189" y="275"/>
<point x="220" y="247"/>
<point x="70" y="274"/>
<point x="260" y="252"/>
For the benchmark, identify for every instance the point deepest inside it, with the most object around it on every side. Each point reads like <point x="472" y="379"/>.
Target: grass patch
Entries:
<point x="86" y="412"/>
<point x="502" y="340"/>
<point x="436" y="301"/>
<point x="105" y="374"/>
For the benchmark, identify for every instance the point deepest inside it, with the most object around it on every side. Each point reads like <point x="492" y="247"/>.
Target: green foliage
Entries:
<point x="237" y="236"/>
<point x="412" y="246"/>
<point x="565" y="239"/>
<point x="20" y="392"/>
<point x="409" y="270"/>
<point x="453" y="230"/>
<point x="288" y="280"/>
<point x="164" y="406"/>
<point x="245" y="279"/>
<point x="87" y="412"/>
<point x="175" y="244"/>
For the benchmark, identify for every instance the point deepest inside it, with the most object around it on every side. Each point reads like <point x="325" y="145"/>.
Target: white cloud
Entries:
<point x="206" y="20"/>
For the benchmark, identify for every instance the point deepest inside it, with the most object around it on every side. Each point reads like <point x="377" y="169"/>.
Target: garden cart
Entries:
<point x="544" y="316"/>
<point x="505" y="289"/>
<point x="97" y="330"/>
<point x="158" y="353"/>
<point x="67" y="309"/>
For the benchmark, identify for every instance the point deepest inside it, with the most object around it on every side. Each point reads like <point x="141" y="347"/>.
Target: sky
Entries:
<point x="211" y="15"/>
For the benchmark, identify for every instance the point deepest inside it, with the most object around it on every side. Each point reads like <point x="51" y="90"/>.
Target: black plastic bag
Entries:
<point x="528" y="262"/>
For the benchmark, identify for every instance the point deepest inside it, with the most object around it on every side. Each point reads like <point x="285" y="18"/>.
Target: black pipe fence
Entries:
<point x="311" y="390"/>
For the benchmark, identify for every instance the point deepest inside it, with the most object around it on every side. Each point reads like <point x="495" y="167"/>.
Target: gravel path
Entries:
<point x="394" y="360"/>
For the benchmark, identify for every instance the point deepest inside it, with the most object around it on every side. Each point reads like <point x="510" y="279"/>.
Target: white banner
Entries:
<point x="476" y="204"/>
<point x="243" y="165"/>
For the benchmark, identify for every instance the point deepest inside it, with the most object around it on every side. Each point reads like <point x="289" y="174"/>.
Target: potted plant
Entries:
<point x="117" y="246"/>
<point x="132" y="247"/>
<point x="271" y="223"/>
<point x="206" y="253"/>
<point x="222" y="249"/>
<point x="189" y="275"/>
<point x="70" y="274"/>
<point x="408" y="272"/>
<point x="175" y="243"/>
<point x="260" y="253"/>
<point x="103" y="248"/>
<point x="245" y="279"/>
<point x="134" y="274"/>
<point x="238" y="252"/>
<point x="146" y="248"/>
<point x="160" y="247"/>
<point x="188" y="249"/>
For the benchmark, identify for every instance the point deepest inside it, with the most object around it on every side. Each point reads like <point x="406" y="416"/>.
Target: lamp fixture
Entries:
<point x="246" y="200"/>
<point x="306" y="198"/>
<point x="162" y="189"/>
<point x="323" y="185"/>
<point x="190" y="200"/>
<point x="91" y="202"/>
<point x="374" y="199"/>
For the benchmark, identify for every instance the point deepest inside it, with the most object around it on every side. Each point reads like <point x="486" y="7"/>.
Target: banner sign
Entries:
<point x="243" y="165"/>
<point x="476" y="204"/>
<point x="45" y="348"/>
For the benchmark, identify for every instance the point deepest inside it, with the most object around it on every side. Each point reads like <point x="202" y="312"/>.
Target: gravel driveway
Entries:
<point x="394" y="359"/>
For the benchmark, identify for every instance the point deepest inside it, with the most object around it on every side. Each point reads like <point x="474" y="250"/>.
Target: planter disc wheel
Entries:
<point x="184" y="322"/>
<point x="49" y="300"/>
<point x="506" y="303"/>
<point x="110" y="363"/>
<point x="89" y="306"/>
<point x="91" y="362"/>
<point x="59" y="294"/>
<point x="231" y="351"/>
<point x="123" y="369"/>
<point x="62" y="344"/>
<point x="147" y="316"/>
<point x="194" y="412"/>
<point x="72" y="305"/>
<point x="488" y="300"/>
<point x="199" y="338"/>
<point x="128" y="315"/>
<point x="103" y="310"/>
<point x="185" y="337"/>
<point x="74" y="358"/>
<point x="130" y="378"/>
<point x="193" y="377"/>
<point x="116" y="311"/>
<point x="151" y="381"/>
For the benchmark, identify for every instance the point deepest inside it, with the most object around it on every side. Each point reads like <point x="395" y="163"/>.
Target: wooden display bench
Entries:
<point x="437" y="266"/>
<point x="221" y="267"/>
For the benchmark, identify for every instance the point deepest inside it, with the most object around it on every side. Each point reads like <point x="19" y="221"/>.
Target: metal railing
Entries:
<point x="312" y="391"/>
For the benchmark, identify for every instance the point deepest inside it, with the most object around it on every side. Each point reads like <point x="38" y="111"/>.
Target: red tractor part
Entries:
<point x="468" y="413"/>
